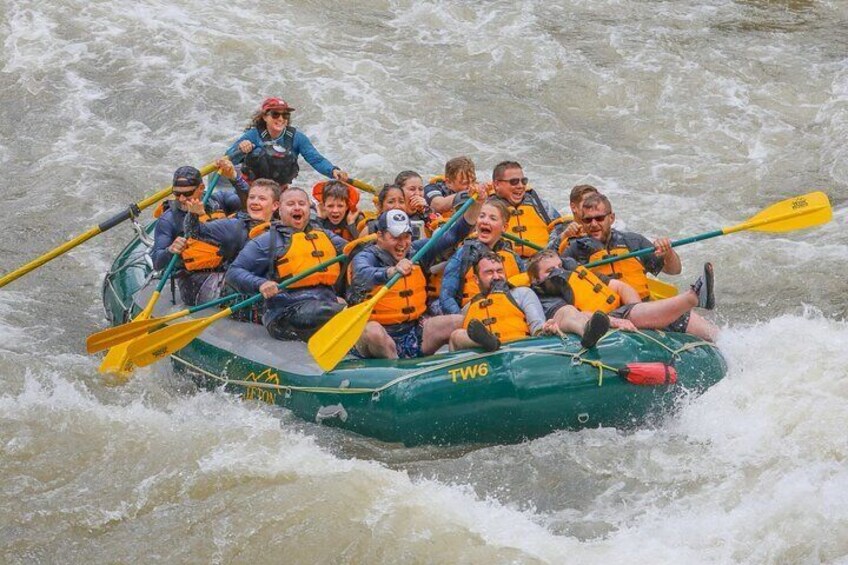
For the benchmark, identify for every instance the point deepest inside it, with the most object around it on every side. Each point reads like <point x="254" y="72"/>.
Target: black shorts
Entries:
<point x="678" y="325"/>
<point x="302" y="319"/>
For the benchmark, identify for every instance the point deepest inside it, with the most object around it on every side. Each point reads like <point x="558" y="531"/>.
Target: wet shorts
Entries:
<point x="300" y="320"/>
<point x="407" y="339"/>
<point x="678" y="325"/>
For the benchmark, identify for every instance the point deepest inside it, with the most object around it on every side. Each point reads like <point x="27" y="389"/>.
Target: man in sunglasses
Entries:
<point x="530" y="215"/>
<point x="168" y="237"/>
<point x="603" y="241"/>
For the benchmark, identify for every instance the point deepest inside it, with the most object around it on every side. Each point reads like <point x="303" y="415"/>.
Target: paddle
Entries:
<point x="115" y="360"/>
<point x="794" y="213"/>
<point x="332" y="342"/>
<point x="156" y="345"/>
<point x="362" y="185"/>
<point x="658" y="288"/>
<point x="131" y="212"/>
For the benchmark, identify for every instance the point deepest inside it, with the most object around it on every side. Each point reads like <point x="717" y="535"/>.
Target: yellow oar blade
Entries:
<point x="152" y="347"/>
<point x="115" y="361"/>
<point x="660" y="289"/>
<point x="110" y="337"/>
<point x="332" y="342"/>
<point x="796" y="213"/>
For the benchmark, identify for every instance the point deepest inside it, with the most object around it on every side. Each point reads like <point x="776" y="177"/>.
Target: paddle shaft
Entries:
<point x="131" y="212"/>
<point x="520" y="241"/>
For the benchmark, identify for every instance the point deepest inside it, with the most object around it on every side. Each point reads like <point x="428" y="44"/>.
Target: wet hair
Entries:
<point x="270" y="185"/>
<point x="384" y="194"/>
<point x="490" y="256"/>
<point x="501" y="208"/>
<point x="404" y="176"/>
<point x="533" y="265"/>
<point x="335" y="189"/>
<point x="458" y="166"/>
<point x="499" y="169"/>
<point x="579" y="191"/>
<point x="295" y="189"/>
<point x="593" y="200"/>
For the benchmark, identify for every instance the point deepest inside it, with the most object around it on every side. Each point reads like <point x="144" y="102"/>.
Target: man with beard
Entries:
<point x="295" y="244"/>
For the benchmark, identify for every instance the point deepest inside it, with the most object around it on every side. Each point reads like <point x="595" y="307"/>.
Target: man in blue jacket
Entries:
<point x="295" y="244"/>
<point x="396" y="328"/>
<point x="168" y="237"/>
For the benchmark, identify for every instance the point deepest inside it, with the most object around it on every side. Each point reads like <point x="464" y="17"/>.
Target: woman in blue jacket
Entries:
<point x="271" y="147"/>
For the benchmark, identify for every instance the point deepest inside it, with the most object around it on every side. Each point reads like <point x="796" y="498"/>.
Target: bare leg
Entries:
<point x="459" y="340"/>
<point x="658" y="314"/>
<point x="701" y="327"/>
<point x="627" y="293"/>
<point x="570" y="319"/>
<point x="376" y="343"/>
<point x="437" y="332"/>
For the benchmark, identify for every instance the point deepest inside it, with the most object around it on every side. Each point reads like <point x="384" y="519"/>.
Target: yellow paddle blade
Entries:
<point x="332" y="342"/>
<point x="152" y="347"/>
<point x="116" y="361"/>
<point x="795" y="213"/>
<point x="110" y="337"/>
<point x="660" y="289"/>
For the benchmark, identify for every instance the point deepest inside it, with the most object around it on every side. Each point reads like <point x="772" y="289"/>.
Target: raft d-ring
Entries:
<point x="575" y="360"/>
<point x="375" y="396"/>
<point x="287" y="393"/>
<point x="583" y="417"/>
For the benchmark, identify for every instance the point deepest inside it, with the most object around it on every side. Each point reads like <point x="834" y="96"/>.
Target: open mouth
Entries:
<point x="484" y="230"/>
<point x="297" y="216"/>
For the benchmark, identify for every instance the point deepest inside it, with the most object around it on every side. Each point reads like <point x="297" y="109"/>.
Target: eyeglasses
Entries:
<point x="600" y="219"/>
<point x="183" y="194"/>
<point x="275" y="114"/>
<point x="516" y="182"/>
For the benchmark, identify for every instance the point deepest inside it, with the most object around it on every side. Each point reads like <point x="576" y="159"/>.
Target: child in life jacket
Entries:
<point x="337" y="208"/>
<point x="446" y="194"/>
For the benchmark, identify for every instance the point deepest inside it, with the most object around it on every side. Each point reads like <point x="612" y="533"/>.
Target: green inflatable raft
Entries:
<point x="525" y="390"/>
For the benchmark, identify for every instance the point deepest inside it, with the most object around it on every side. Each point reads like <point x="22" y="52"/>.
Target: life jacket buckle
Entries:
<point x="519" y="229"/>
<point x="486" y="302"/>
<point x="317" y="253"/>
<point x="405" y="293"/>
<point x="489" y="321"/>
<point x="311" y="236"/>
<point x="408" y="310"/>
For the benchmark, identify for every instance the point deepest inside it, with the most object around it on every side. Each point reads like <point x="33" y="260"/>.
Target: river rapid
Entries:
<point x="691" y="116"/>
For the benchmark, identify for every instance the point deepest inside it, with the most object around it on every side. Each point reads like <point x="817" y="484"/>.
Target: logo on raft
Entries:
<point x="470" y="372"/>
<point x="262" y="394"/>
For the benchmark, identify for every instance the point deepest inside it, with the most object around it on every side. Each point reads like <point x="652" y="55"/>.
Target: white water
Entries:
<point x="692" y="116"/>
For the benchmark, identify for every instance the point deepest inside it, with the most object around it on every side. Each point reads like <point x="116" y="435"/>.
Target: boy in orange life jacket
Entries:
<point x="500" y="313"/>
<point x="397" y="328"/>
<point x="212" y="245"/>
<point x="603" y="241"/>
<point x="337" y="208"/>
<point x="529" y="213"/>
<point x="566" y="292"/>
<point x="446" y="195"/>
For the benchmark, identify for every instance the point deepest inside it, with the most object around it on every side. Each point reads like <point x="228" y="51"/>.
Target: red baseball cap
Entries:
<point x="276" y="104"/>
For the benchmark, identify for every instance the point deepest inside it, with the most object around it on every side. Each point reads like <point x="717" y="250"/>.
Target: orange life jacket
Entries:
<point x="500" y="314"/>
<point x="631" y="271"/>
<point x="202" y="255"/>
<point x="470" y="288"/>
<point x="406" y="301"/>
<point x="307" y="249"/>
<point x="528" y="221"/>
<point x="590" y="294"/>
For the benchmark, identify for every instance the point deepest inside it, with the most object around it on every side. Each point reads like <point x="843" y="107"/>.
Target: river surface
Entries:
<point x="691" y="116"/>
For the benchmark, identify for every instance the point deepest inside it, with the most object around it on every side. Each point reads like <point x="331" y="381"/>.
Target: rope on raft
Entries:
<point x="576" y="358"/>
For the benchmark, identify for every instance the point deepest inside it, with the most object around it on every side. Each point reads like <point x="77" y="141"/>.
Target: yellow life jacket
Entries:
<point x="209" y="216"/>
<point x="406" y="301"/>
<point x="590" y="294"/>
<point x="470" y="288"/>
<point x="500" y="314"/>
<point x="528" y="221"/>
<point x="631" y="271"/>
<point x="306" y="250"/>
<point x="366" y="216"/>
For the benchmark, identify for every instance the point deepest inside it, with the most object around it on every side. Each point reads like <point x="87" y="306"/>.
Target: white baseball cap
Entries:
<point x="396" y="222"/>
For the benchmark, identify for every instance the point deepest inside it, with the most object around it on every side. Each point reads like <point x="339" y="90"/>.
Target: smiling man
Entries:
<point x="529" y="213"/>
<point x="604" y="241"/>
<point x="296" y="245"/>
<point x="396" y="328"/>
<point x="169" y="236"/>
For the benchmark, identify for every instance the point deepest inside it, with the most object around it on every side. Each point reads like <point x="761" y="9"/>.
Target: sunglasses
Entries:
<point x="587" y="220"/>
<point x="275" y="114"/>
<point x="183" y="194"/>
<point x="516" y="182"/>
